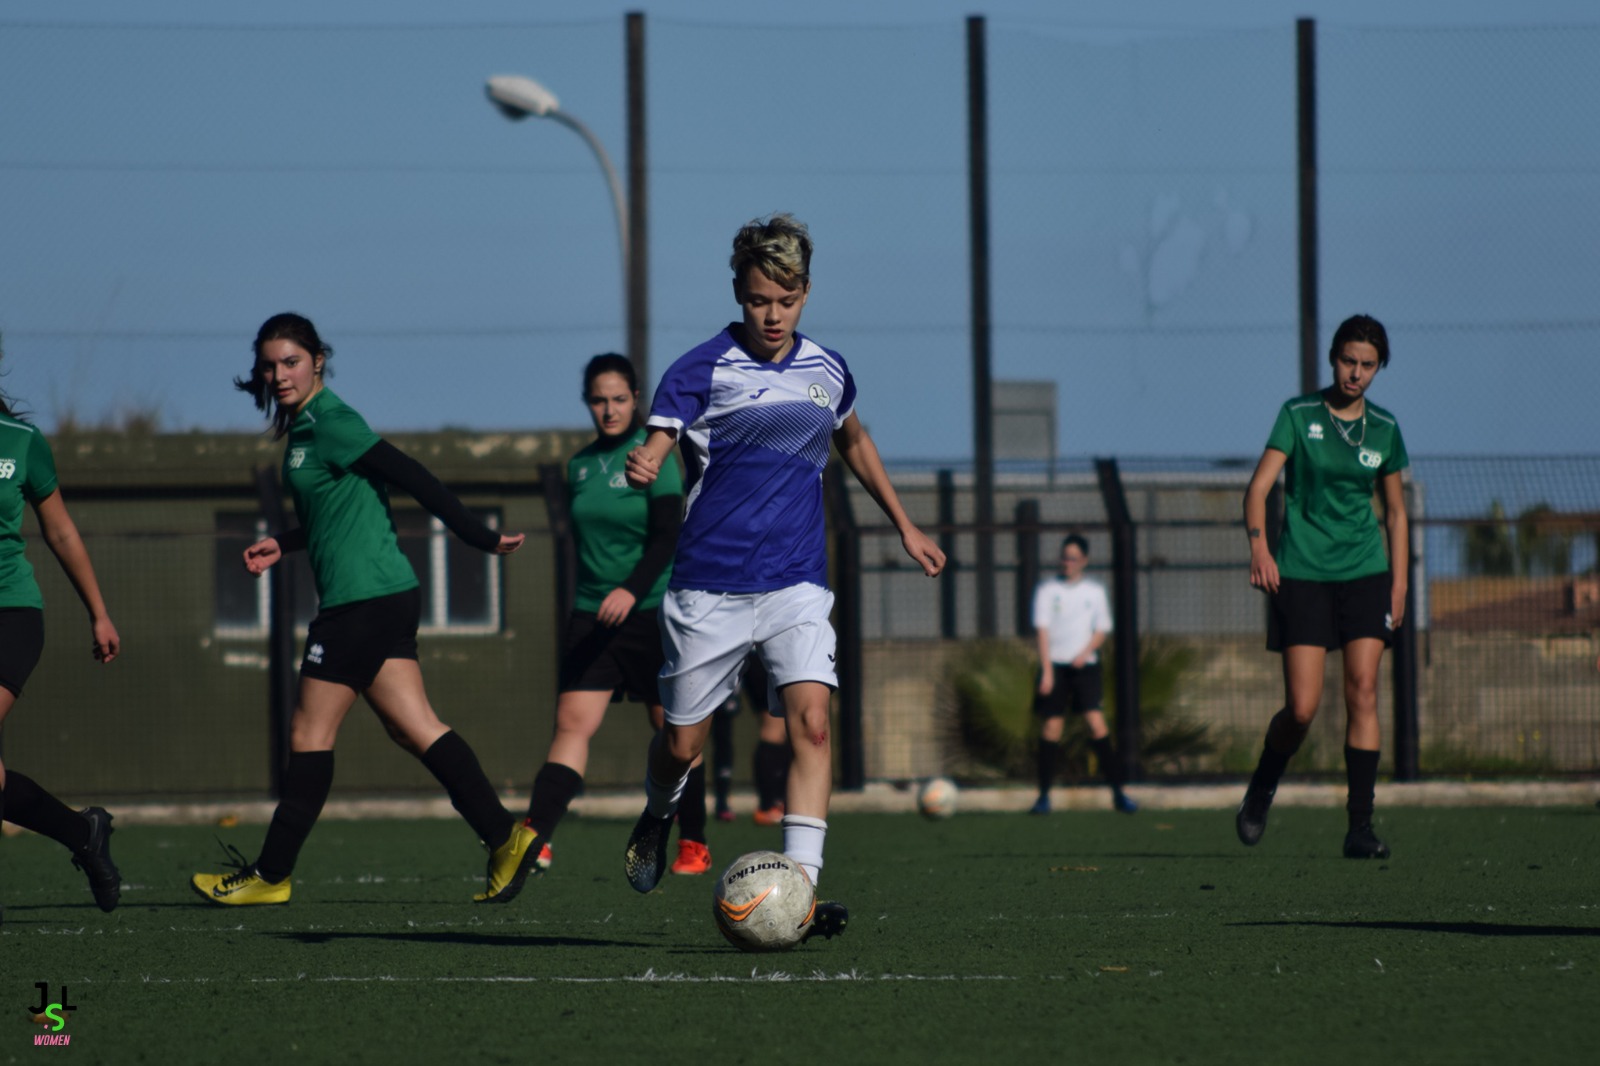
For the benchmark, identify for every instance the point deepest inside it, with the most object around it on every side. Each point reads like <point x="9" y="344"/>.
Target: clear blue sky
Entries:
<point x="177" y="171"/>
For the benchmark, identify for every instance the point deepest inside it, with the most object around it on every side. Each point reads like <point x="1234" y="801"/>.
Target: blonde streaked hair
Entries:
<point x="779" y="246"/>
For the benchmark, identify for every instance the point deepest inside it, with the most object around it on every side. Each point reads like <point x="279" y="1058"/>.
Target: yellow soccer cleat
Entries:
<point x="243" y="888"/>
<point x="509" y="866"/>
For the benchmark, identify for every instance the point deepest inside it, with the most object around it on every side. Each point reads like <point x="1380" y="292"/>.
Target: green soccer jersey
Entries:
<point x="27" y="475"/>
<point x="611" y="520"/>
<point x="1330" y="531"/>
<point x="355" y="554"/>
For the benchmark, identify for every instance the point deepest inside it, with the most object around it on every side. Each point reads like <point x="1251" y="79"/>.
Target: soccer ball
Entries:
<point x="764" y="902"/>
<point x="937" y="798"/>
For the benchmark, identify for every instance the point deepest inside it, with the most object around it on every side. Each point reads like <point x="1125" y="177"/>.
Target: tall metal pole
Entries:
<point x="1306" y="76"/>
<point x="982" y="390"/>
<point x="638" y="261"/>
<point x="1124" y="613"/>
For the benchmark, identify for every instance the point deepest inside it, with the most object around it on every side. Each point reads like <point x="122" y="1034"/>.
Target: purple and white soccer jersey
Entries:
<point x="755" y="440"/>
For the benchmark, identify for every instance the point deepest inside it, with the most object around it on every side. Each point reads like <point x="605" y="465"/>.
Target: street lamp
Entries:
<point x="517" y="98"/>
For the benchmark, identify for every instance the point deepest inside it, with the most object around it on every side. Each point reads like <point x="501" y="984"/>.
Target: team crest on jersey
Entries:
<point x="583" y="473"/>
<point x="1314" y="431"/>
<point x="818" y="394"/>
<point x="1370" y="459"/>
<point x="296" y="457"/>
<point x="7" y="468"/>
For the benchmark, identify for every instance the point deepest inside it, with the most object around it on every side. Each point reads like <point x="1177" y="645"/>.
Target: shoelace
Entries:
<point x="243" y="869"/>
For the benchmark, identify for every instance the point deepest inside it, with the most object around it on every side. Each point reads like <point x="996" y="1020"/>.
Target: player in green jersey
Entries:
<point x="363" y="639"/>
<point x="28" y="474"/>
<point x="1333" y="584"/>
<point x="625" y="539"/>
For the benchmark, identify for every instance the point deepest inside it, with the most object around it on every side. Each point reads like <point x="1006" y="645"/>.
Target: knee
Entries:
<point x="405" y="742"/>
<point x="680" y="745"/>
<point x="306" y="736"/>
<point x="576" y="727"/>
<point x="809" y="728"/>
<point x="1361" y="694"/>
<point x="1302" y="711"/>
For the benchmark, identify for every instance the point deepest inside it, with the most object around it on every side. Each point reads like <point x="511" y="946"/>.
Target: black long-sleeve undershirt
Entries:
<point x="384" y="461"/>
<point x="662" y="524"/>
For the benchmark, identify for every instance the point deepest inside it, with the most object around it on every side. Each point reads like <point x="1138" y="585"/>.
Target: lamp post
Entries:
<point x="518" y="97"/>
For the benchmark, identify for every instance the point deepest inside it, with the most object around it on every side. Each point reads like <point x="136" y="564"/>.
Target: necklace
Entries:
<point x="1339" y="425"/>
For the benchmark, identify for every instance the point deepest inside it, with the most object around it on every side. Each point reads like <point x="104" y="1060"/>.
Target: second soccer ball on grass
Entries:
<point x="937" y="798"/>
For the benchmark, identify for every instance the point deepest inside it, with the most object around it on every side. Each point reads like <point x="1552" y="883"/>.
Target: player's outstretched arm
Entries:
<point x="61" y="533"/>
<point x="861" y="456"/>
<point x="644" y="462"/>
<point x="383" y="460"/>
<point x="1263" y="568"/>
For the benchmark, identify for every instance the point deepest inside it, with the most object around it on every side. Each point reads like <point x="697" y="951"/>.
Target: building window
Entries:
<point x="460" y="585"/>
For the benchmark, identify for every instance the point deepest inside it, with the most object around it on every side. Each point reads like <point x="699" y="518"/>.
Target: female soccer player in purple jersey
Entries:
<point x="754" y="410"/>
<point x="1332" y="583"/>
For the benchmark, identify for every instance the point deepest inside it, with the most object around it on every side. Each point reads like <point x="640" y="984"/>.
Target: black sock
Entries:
<point x="31" y="807"/>
<point x="1110" y="768"/>
<point x="722" y="756"/>
<point x="553" y="790"/>
<point x="772" y="772"/>
<point x="1049" y="760"/>
<point x="452" y="761"/>
<point x="306" y="781"/>
<point x="1271" y="765"/>
<point x="1361" y="770"/>
<point x="692" y="807"/>
<point x="1269" y="770"/>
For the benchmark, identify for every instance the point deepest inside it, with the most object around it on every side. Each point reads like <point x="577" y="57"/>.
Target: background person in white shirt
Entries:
<point x="1072" y="620"/>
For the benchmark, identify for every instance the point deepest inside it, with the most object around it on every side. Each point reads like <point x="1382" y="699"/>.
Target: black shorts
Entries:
<point x="1329" y="614"/>
<point x="349" y="644"/>
<point x="1078" y="689"/>
<point x="21" y="642"/>
<point x="624" y="660"/>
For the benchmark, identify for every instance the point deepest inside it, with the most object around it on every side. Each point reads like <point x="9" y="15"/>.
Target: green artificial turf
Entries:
<point x="1082" y="936"/>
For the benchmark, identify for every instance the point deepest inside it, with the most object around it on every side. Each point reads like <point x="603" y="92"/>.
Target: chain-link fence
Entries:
<point x="1506" y="617"/>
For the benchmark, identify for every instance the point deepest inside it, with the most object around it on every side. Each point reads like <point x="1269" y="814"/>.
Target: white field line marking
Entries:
<point x="648" y="977"/>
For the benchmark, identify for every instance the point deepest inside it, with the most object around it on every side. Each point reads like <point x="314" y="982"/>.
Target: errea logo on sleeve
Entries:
<point x="7" y="468"/>
<point x="296" y="457"/>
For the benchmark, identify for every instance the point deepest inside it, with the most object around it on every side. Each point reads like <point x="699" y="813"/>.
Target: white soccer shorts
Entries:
<point x="707" y="635"/>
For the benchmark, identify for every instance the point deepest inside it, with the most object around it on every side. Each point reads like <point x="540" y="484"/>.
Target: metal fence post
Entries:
<point x="1403" y="667"/>
<point x="947" y="544"/>
<point x="564" y="550"/>
<point x="281" y="686"/>
<point x="1027" y="522"/>
<point x="1125" y="613"/>
<point x="847" y="605"/>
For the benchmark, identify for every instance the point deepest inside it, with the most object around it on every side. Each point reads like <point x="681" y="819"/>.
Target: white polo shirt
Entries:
<point x="1071" y="612"/>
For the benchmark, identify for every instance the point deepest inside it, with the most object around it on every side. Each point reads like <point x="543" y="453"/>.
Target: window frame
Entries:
<point x="435" y="620"/>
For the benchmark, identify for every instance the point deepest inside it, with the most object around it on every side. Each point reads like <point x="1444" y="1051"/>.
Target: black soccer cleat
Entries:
<point x="1251" y="821"/>
<point x="1362" y="843"/>
<point x="645" y="860"/>
<point x="828" y="921"/>
<point x="95" y="860"/>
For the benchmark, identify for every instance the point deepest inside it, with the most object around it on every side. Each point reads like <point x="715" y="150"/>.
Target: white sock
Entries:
<point x="802" y="842"/>
<point x="662" y="800"/>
